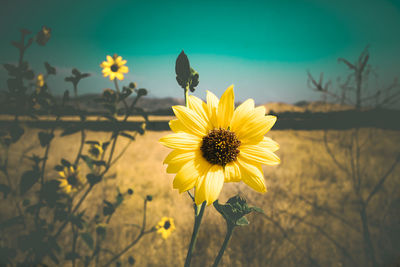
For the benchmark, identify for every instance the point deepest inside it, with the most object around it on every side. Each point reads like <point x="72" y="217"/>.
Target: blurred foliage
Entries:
<point x="46" y="207"/>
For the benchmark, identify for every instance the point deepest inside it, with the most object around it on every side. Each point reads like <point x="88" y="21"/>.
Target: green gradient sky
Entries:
<point x="263" y="47"/>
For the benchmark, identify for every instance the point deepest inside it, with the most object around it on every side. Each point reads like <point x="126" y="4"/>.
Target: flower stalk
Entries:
<point x="197" y="222"/>
<point x="229" y="231"/>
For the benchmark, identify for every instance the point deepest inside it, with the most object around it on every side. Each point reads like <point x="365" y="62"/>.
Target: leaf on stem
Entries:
<point x="28" y="179"/>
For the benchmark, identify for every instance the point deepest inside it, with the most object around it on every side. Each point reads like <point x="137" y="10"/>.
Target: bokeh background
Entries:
<point x="335" y="198"/>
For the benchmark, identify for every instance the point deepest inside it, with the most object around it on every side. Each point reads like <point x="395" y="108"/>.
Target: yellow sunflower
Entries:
<point x="114" y="67"/>
<point x="165" y="227"/>
<point x="40" y="80"/>
<point x="70" y="180"/>
<point x="215" y="143"/>
<point x="96" y="150"/>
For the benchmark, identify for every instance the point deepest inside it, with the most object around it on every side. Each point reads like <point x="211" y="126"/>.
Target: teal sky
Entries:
<point x="264" y="48"/>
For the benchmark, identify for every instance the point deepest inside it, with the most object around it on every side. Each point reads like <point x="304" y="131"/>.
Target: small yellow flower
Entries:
<point x="70" y="180"/>
<point x="96" y="150"/>
<point x="165" y="227"/>
<point x="215" y="143"/>
<point x="114" y="67"/>
<point x="39" y="82"/>
<point x="43" y="36"/>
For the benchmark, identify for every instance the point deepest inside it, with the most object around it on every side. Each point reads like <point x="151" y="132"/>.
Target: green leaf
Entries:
<point x="182" y="67"/>
<point x="65" y="163"/>
<point x="53" y="257"/>
<point x="93" y="179"/>
<point x="119" y="199"/>
<point x="50" y="69"/>
<point x="71" y="130"/>
<point x="50" y="193"/>
<point x="5" y="189"/>
<point x="92" y="142"/>
<point x="76" y="72"/>
<point x="101" y="230"/>
<point x="16" y="132"/>
<point x="59" y="168"/>
<point x="127" y="136"/>
<point x="88" y="161"/>
<point x="105" y="145"/>
<point x="29" y="75"/>
<point x="45" y="138"/>
<point x="12" y="69"/>
<point x="242" y="221"/>
<point x="99" y="162"/>
<point x="28" y="179"/>
<point x="108" y="208"/>
<point x="78" y="220"/>
<point x="87" y="237"/>
<point x="257" y="209"/>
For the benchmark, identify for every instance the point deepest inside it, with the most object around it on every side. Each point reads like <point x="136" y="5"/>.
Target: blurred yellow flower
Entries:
<point x="215" y="143"/>
<point x="70" y="180"/>
<point x="96" y="150"/>
<point x="40" y="80"/>
<point x="114" y="67"/>
<point x="165" y="227"/>
<point x="43" y="36"/>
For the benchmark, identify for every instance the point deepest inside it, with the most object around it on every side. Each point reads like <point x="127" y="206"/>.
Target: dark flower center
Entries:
<point x="167" y="225"/>
<point x="94" y="151"/>
<point x="114" y="67"/>
<point x="220" y="146"/>
<point x="72" y="180"/>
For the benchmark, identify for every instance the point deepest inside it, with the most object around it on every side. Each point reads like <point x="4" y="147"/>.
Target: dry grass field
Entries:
<point x="311" y="212"/>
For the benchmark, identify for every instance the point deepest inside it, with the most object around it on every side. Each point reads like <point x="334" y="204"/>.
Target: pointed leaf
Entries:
<point x="87" y="237"/>
<point x="28" y="179"/>
<point x="242" y="221"/>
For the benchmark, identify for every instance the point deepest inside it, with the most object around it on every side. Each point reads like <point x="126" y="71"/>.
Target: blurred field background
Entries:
<point x="328" y="69"/>
<point x="310" y="210"/>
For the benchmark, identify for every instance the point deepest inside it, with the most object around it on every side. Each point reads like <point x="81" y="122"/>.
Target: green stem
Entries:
<point x="119" y="95"/>
<point x="141" y="234"/>
<point x="229" y="231"/>
<point x="186" y="96"/>
<point x="197" y="222"/>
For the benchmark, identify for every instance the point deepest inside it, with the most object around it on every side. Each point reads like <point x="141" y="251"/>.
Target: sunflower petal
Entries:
<point x="253" y="128"/>
<point x="269" y="144"/>
<point x="177" y="126"/>
<point x="241" y="114"/>
<point x="187" y="176"/>
<point x="198" y="106"/>
<point x="183" y="141"/>
<point x="105" y="64"/>
<point x="232" y="172"/>
<point x="226" y="106"/>
<point x="193" y="122"/>
<point x="210" y="185"/>
<point x="123" y="69"/>
<point x="252" y="175"/>
<point x="259" y="154"/>
<point x="119" y="76"/>
<point x="212" y="105"/>
<point x="177" y="158"/>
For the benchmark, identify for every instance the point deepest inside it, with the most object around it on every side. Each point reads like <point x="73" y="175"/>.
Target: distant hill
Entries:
<point x="304" y="106"/>
<point x="162" y="106"/>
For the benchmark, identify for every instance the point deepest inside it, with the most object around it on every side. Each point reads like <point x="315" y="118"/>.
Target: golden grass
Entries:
<point x="293" y="233"/>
